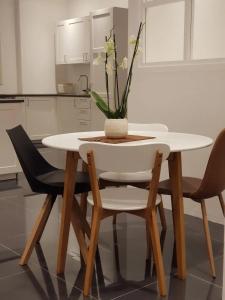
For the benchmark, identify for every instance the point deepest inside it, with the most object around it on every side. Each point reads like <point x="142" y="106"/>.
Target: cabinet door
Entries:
<point x="83" y="125"/>
<point x="60" y="44"/>
<point x="74" y="114"/>
<point x="102" y="23"/>
<point x="66" y="111"/>
<point x="77" y="40"/>
<point x="10" y="116"/>
<point x="41" y="117"/>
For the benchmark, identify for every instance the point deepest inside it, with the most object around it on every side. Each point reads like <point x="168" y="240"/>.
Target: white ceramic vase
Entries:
<point x="116" y="128"/>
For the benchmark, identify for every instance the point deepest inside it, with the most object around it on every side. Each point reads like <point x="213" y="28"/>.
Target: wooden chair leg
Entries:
<point x="222" y="203"/>
<point x="157" y="254"/>
<point x="162" y="215"/>
<point x="46" y="220"/>
<point x="208" y="239"/>
<point x="37" y="229"/>
<point x="83" y="204"/>
<point x="148" y="242"/>
<point x="114" y="219"/>
<point x="95" y="225"/>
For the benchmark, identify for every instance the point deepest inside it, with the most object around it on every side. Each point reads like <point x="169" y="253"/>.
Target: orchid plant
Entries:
<point x="110" y="60"/>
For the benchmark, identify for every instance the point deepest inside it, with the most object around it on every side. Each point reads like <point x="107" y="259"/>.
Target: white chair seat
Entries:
<point x="123" y="198"/>
<point x="136" y="177"/>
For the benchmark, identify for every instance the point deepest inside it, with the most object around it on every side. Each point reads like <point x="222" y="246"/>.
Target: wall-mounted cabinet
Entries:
<point x="59" y="43"/>
<point x="102" y="23"/>
<point x="73" y="41"/>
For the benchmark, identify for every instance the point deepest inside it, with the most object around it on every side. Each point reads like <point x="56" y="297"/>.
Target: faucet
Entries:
<point x="86" y="90"/>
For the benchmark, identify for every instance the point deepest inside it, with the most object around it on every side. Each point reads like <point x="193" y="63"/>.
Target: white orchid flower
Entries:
<point x="109" y="68"/>
<point x="109" y="47"/>
<point x="98" y="60"/>
<point x="139" y="50"/>
<point x="124" y="63"/>
<point x="132" y="40"/>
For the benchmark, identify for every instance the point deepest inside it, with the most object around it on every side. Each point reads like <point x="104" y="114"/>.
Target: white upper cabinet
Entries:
<point x="77" y="40"/>
<point x="73" y="41"/>
<point x="102" y="23"/>
<point x="60" y="43"/>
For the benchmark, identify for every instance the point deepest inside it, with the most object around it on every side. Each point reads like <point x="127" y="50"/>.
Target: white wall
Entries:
<point x="77" y="8"/>
<point x="37" y="26"/>
<point x="8" y="47"/>
<point x="187" y="99"/>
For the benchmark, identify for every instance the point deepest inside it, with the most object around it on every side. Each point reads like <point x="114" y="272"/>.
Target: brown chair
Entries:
<point x="212" y="184"/>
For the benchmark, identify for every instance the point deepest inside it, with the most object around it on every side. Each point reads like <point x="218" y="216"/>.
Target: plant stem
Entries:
<point x="106" y="77"/>
<point x="123" y="106"/>
<point x="116" y="83"/>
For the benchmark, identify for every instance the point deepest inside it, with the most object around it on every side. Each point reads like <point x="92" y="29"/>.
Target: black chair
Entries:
<point x="43" y="178"/>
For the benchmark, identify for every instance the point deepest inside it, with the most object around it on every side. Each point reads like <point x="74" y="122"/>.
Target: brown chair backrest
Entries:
<point x="213" y="182"/>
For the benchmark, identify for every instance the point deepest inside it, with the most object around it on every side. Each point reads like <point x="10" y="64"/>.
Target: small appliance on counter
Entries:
<point x="66" y="88"/>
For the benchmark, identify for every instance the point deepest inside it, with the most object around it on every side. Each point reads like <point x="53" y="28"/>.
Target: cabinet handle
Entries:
<point x="74" y="103"/>
<point x="28" y="103"/>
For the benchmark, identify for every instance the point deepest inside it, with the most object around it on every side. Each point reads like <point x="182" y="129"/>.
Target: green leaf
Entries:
<point x="101" y="104"/>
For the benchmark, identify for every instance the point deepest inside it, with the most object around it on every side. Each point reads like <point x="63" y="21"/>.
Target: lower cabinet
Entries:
<point x="74" y="114"/>
<point x="41" y="117"/>
<point x="66" y="112"/>
<point x="11" y="115"/>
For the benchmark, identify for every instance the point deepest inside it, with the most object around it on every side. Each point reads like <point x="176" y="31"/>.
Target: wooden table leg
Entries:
<point x="175" y="172"/>
<point x="69" y="185"/>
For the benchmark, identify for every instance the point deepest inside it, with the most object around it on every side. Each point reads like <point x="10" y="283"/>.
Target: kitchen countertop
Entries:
<point x="3" y="96"/>
<point x="11" y="100"/>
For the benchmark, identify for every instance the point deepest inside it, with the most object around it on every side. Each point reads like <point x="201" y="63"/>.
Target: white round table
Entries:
<point x="178" y="142"/>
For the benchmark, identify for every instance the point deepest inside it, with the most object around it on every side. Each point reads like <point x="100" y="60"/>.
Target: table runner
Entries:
<point x="128" y="138"/>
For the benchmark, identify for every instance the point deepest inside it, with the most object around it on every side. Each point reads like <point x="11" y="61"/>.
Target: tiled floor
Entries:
<point x="122" y="270"/>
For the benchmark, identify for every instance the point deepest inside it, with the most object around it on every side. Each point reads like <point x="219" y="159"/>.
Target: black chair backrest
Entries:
<point x="31" y="161"/>
<point x="213" y="182"/>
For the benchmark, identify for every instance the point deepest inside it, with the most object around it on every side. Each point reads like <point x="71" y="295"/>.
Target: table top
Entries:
<point x="177" y="141"/>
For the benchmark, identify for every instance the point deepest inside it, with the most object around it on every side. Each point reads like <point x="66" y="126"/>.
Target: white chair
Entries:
<point x="137" y="201"/>
<point x="147" y="127"/>
<point x="139" y="179"/>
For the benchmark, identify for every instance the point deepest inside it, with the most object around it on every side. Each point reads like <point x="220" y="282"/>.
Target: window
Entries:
<point x="208" y="29"/>
<point x="178" y="31"/>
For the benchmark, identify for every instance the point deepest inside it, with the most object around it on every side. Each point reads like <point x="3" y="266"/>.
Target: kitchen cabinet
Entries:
<point x="60" y="43"/>
<point x="73" y="41"/>
<point x="66" y="112"/>
<point x="41" y="117"/>
<point x="11" y="115"/>
<point x="74" y="114"/>
<point x="77" y="40"/>
<point x="102" y="23"/>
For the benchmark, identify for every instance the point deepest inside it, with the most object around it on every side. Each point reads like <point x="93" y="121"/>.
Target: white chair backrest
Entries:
<point x="126" y="158"/>
<point x="146" y="127"/>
